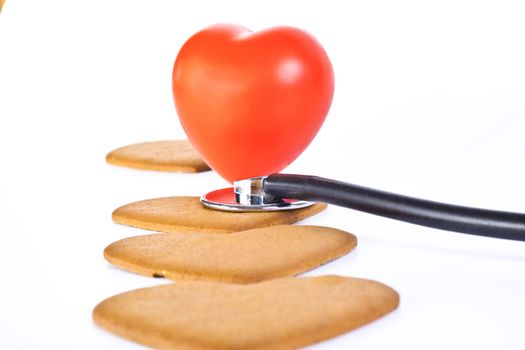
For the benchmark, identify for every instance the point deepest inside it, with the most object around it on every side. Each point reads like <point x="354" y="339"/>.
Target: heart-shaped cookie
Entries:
<point x="251" y="102"/>
<point x="186" y="214"/>
<point x="173" y="155"/>
<point x="244" y="257"/>
<point x="278" y="314"/>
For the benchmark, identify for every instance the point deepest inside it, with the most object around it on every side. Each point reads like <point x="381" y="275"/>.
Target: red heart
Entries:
<point x="251" y="102"/>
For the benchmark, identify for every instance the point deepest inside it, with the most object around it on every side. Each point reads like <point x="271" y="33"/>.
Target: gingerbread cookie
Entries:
<point x="183" y="214"/>
<point x="283" y="313"/>
<point x="176" y="156"/>
<point x="243" y="257"/>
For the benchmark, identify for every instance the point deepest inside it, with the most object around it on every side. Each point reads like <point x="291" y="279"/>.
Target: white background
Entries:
<point x="430" y="102"/>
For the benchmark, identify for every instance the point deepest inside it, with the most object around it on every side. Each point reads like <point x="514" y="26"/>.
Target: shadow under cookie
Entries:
<point x="283" y="313"/>
<point x="243" y="257"/>
<point x="187" y="214"/>
<point x="172" y="156"/>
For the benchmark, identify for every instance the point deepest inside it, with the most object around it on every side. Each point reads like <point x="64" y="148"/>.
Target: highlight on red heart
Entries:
<point x="251" y="102"/>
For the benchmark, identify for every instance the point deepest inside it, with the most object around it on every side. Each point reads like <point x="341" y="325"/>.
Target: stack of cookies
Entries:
<point x="234" y="271"/>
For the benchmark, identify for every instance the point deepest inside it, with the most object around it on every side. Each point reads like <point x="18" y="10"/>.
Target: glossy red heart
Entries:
<point x="251" y="102"/>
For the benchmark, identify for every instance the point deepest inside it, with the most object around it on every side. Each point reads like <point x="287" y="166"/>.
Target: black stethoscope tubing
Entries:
<point x="475" y="221"/>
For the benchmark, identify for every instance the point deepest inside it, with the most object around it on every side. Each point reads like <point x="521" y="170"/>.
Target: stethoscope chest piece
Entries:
<point x="249" y="196"/>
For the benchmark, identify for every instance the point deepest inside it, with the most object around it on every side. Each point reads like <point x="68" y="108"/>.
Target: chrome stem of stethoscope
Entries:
<point x="251" y="191"/>
<point x="271" y="193"/>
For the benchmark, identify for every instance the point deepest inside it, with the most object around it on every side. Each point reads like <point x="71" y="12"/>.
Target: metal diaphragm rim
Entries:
<point x="224" y="199"/>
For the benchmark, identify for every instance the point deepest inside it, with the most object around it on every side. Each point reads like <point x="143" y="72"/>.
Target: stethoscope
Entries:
<point x="288" y="192"/>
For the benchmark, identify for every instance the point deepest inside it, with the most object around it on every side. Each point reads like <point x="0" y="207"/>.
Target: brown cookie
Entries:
<point x="176" y="156"/>
<point x="283" y="313"/>
<point x="243" y="257"/>
<point x="181" y="214"/>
